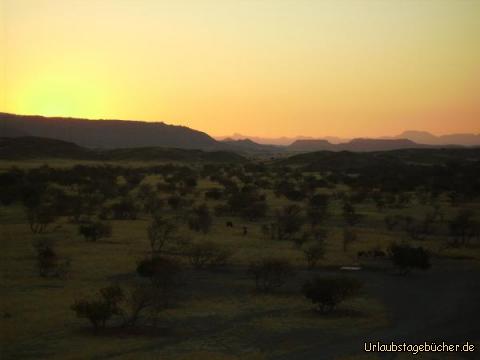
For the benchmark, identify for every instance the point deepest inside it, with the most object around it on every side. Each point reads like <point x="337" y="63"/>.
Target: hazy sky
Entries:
<point x="269" y="68"/>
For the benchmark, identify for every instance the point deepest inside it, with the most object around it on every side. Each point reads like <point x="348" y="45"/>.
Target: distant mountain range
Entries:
<point x="355" y="145"/>
<point x="280" y="141"/>
<point x="419" y="137"/>
<point x="424" y="137"/>
<point x="115" y="134"/>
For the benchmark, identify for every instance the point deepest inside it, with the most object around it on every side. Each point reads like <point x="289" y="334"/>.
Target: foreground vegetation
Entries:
<point x="222" y="260"/>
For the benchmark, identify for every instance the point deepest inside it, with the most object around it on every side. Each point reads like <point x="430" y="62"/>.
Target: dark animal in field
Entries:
<point x="229" y="224"/>
<point x="245" y="231"/>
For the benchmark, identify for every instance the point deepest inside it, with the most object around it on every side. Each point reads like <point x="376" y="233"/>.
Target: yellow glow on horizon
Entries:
<point x="268" y="68"/>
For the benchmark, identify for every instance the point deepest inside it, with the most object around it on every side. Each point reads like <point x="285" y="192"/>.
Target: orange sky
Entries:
<point x="266" y="68"/>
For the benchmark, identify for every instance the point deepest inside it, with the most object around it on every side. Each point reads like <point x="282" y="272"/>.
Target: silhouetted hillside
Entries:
<point x="248" y="145"/>
<point x="107" y="133"/>
<point x="44" y="148"/>
<point x="311" y="145"/>
<point x="346" y="160"/>
<point x="35" y="147"/>
<point x="168" y="154"/>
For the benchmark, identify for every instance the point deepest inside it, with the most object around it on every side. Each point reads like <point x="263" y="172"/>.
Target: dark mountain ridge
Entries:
<point x="115" y="134"/>
<point x="107" y="133"/>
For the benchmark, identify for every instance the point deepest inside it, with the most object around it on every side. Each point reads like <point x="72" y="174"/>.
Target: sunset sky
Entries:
<point x="265" y="68"/>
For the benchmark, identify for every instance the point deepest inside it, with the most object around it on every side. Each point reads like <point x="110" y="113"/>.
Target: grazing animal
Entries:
<point x="245" y="231"/>
<point x="229" y="224"/>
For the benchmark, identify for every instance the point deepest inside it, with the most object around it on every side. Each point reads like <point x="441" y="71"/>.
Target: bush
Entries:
<point x="49" y="264"/>
<point x="95" y="230"/>
<point x="214" y="194"/>
<point x="270" y="273"/>
<point x="313" y="253"/>
<point x="160" y="232"/>
<point x="406" y="257"/>
<point x="126" y="209"/>
<point x="39" y="217"/>
<point x="164" y="274"/>
<point x="200" y="220"/>
<point x="208" y="254"/>
<point x="99" y="311"/>
<point x="328" y="293"/>
<point x="289" y="221"/>
<point x="349" y="236"/>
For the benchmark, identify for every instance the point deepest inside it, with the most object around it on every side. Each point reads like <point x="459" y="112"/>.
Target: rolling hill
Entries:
<point x="107" y="134"/>
<point x="20" y="148"/>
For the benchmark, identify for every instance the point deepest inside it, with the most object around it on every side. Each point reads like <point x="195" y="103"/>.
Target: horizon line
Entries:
<point x="236" y="134"/>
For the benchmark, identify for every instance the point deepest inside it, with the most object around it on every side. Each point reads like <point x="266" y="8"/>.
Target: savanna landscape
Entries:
<point x="214" y="259"/>
<point x="240" y="180"/>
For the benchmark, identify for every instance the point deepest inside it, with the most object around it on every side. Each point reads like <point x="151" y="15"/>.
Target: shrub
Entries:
<point x="95" y="230"/>
<point x="99" y="311"/>
<point x="313" y="253"/>
<point x="214" y="194"/>
<point x="270" y="273"/>
<point x="349" y="214"/>
<point x="208" y="254"/>
<point x="126" y="209"/>
<point x="328" y="293"/>
<point x="289" y="221"/>
<point x="49" y="264"/>
<point x="200" y="220"/>
<point x="160" y="232"/>
<point x="406" y="257"/>
<point x="163" y="272"/>
<point x="463" y="227"/>
<point x="349" y="236"/>
<point x="39" y="217"/>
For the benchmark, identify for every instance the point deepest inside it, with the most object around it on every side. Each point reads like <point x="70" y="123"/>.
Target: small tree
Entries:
<point x="99" y="311"/>
<point x="463" y="227"/>
<point x="137" y="300"/>
<point x="391" y="221"/>
<point x="313" y="253"/>
<point x="164" y="274"/>
<point x="349" y="236"/>
<point x="153" y="204"/>
<point x="350" y="214"/>
<point x="47" y="259"/>
<point x="328" y="293"/>
<point x="289" y="221"/>
<point x="95" y="230"/>
<point x="270" y="273"/>
<point x="39" y="217"/>
<point x="200" y="220"/>
<point x="125" y="209"/>
<point x="317" y="210"/>
<point x="49" y="263"/>
<point x="406" y="257"/>
<point x="160" y="232"/>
